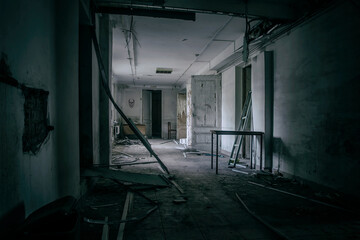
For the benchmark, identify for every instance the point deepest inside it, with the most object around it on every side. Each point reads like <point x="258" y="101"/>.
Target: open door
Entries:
<point x="203" y="110"/>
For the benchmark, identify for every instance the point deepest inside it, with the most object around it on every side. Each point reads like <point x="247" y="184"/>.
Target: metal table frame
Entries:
<point x="223" y="132"/>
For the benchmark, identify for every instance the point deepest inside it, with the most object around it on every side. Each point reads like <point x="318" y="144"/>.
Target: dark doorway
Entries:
<point x="246" y="87"/>
<point x="156" y="113"/>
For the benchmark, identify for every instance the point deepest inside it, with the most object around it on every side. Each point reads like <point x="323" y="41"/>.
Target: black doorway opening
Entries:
<point x="156" y="113"/>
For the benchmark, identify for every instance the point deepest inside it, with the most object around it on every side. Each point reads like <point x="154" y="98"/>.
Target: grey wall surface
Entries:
<point x="316" y="99"/>
<point x="41" y="43"/>
<point x="228" y="107"/>
<point x="169" y="101"/>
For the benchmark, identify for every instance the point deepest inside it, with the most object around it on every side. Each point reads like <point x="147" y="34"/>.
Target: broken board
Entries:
<point x="147" y="179"/>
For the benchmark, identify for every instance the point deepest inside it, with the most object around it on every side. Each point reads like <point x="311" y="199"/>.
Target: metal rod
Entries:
<point x="299" y="196"/>
<point x="217" y="153"/>
<point x="212" y="150"/>
<point x="261" y="151"/>
<point x="261" y="220"/>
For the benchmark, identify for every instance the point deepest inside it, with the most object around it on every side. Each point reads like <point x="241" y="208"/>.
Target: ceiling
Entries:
<point x="143" y="44"/>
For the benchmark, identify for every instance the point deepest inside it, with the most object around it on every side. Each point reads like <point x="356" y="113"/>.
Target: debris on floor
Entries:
<point x="127" y="141"/>
<point x="147" y="179"/>
<point x="187" y="151"/>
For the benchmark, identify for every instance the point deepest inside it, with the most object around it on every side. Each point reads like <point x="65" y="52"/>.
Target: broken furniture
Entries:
<point x="171" y="131"/>
<point x="237" y="133"/>
<point x="128" y="132"/>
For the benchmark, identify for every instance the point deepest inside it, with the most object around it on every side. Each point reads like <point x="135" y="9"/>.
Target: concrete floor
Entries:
<point x="211" y="210"/>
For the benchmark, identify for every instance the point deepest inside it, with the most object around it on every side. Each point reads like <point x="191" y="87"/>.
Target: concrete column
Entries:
<point x="85" y="96"/>
<point x="105" y="41"/>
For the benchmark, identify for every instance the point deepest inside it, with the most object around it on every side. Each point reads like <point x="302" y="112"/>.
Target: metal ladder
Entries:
<point x="239" y="138"/>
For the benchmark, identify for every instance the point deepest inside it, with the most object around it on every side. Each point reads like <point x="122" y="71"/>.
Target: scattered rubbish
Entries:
<point x="127" y="141"/>
<point x="299" y="196"/>
<point x="122" y="153"/>
<point x="240" y="166"/>
<point x="261" y="220"/>
<point x="146" y="179"/>
<point x="134" y="219"/>
<point x="104" y="205"/>
<point x="200" y="153"/>
<point x="180" y="148"/>
<point x="180" y="200"/>
<point x="209" y="154"/>
<point x="169" y="179"/>
<point x="235" y="170"/>
<point x="175" y="142"/>
<point x="166" y="142"/>
<point x="136" y="163"/>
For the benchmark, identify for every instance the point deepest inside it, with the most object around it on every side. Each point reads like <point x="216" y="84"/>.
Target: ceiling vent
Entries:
<point x="164" y="70"/>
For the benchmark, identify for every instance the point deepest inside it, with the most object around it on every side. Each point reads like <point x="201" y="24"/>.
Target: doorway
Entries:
<point x="156" y="113"/>
<point x="246" y="87"/>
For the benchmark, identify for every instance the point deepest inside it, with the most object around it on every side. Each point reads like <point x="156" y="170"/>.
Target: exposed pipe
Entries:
<point x="205" y="47"/>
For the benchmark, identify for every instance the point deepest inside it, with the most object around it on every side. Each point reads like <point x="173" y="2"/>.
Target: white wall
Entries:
<point x="168" y="98"/>
<point x="228" y="104"/>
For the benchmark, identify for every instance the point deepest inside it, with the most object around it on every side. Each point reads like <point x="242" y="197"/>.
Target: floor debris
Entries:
<point x="281" y="235"/>
<point x="235" y="170"/>
<point x="124" y="215"/>
<point x="127" y="141"/>
<point x="147" y="179"/>
<point x="299" y="196"/>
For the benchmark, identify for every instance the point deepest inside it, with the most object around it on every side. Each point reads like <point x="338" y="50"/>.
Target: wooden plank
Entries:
<point x="146" y="179"/>
<point x="120" y="235"/>
<point x="105" y="232"/>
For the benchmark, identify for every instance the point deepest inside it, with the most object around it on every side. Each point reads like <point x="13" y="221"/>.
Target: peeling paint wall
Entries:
<point x="316" y="99"/>
<point x="41" y="43"/>
<point x="181" y="116"/>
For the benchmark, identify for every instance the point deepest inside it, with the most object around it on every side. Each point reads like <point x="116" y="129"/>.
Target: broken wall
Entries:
<point x="316" y="99"/>
<point x="41" y="43"/>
